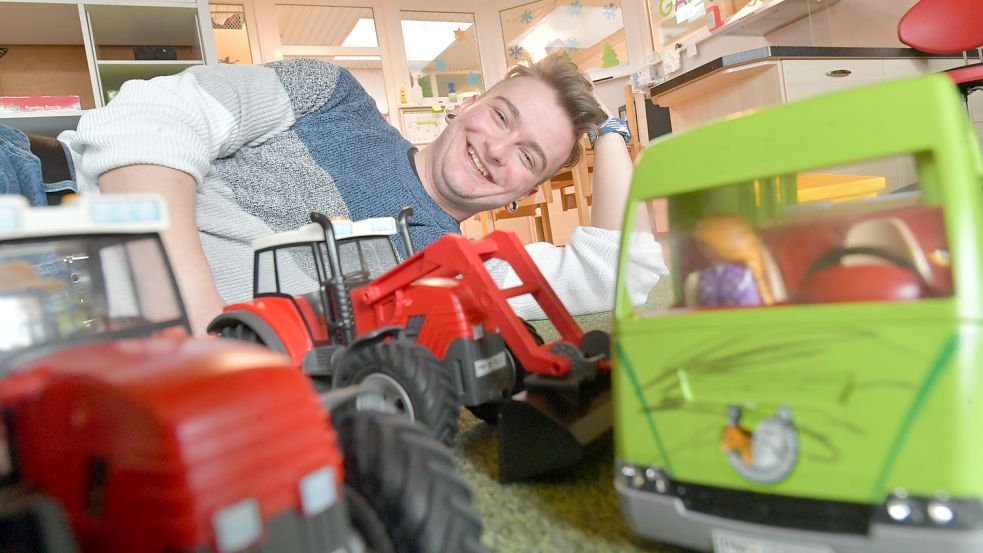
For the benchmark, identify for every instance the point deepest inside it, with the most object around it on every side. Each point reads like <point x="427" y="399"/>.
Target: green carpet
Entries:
<point x="576" y="512"/>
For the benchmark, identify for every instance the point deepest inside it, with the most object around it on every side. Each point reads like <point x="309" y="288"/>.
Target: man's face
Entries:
<point x="501" y="146"/>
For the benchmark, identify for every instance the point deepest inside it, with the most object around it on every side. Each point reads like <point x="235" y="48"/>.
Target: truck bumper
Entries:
<point x="665" y="518"/>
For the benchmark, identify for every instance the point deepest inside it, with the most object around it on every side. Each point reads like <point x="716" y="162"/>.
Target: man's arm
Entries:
<point x="162" y="136"/>
<point x="612" y="178"/>
<point x="194" y="277"/>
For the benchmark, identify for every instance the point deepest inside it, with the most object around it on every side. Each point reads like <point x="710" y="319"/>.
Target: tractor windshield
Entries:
<point x="55" y="289"/>
<point x="367" y="256"/>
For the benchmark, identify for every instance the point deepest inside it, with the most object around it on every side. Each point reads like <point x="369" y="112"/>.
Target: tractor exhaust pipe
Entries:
<point x="341" y="303"/>
<point x="403" y="224"/>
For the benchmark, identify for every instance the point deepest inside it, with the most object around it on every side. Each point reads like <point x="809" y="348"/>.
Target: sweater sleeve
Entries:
<point x="183" y="121"/>
<point x="583" y="272"/>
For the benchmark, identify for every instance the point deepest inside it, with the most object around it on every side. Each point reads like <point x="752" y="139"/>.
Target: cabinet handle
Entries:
<point x="836" y="73"/>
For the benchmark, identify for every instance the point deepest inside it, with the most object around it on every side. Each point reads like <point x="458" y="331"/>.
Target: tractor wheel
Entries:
<point x="411" y="482"/>
<point x="488" y="412"/>
<point x="242" y="332"/>
<point x="407" y="380"/>
<point x="366" y="523"/>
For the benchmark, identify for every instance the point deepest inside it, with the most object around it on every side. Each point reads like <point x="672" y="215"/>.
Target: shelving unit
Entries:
<point x="86" y="49"/>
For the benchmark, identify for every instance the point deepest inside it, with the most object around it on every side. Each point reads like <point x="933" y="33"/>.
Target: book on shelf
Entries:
<point x="20" y="104"/>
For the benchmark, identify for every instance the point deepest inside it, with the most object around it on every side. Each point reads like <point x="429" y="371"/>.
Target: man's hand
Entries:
<point x="194" y="276"/>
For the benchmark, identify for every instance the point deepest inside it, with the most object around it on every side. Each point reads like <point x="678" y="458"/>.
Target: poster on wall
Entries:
<point x="421" y="125"/>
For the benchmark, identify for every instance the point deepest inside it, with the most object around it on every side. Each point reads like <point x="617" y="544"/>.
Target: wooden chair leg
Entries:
<point x="580" y="184"/>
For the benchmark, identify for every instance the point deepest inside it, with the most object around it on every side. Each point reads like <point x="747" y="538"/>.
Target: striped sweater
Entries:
<point x="269" y="144"/>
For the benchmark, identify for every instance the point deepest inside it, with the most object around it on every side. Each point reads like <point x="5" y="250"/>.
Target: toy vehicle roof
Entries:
<point x="104" y="214"/>
<point x="343" y="229"/>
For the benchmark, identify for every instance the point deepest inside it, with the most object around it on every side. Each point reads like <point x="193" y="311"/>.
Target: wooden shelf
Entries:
<point x="47" y="123"/>
<point x="114" y="73"/>
<point x="40" y="23"/>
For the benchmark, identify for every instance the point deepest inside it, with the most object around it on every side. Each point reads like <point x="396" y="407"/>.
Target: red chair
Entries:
<point x="948" y="27"/>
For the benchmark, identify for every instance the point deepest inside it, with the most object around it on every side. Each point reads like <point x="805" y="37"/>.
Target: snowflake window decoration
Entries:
<point x="610" y="11"/>
<point x="515" y="51"/>
<point x="575" y="8"/>
<point x="526" y="16"/>
<point x="441" y="65"/>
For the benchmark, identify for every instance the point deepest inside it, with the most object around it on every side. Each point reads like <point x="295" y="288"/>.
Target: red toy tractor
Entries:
<point x="429" y="334"/>
<point x="120" y="433"/>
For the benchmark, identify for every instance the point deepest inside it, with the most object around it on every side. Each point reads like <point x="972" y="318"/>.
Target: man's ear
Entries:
<point x="465" y="105"/>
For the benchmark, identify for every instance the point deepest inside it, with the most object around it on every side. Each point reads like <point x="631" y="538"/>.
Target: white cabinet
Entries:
<point x="87" y="49"/>
<point x="773" y="81"/>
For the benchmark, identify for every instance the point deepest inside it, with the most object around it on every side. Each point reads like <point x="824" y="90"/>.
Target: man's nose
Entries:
<point x="498" y="147"/>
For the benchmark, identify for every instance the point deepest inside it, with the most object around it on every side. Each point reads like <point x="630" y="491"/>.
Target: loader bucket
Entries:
<point x="538" y="436"/>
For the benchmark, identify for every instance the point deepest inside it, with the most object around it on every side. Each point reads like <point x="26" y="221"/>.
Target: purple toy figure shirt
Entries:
<point x="728" y="284"/>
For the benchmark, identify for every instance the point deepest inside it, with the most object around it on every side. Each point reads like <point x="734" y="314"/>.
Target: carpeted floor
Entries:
<point x="574" y="513"/>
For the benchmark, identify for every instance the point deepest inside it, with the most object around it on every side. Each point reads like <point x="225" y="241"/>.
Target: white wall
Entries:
<point x="374" y="83"/>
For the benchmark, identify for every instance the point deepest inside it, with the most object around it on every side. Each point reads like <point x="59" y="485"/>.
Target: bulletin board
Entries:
<point x="421" y="125"/>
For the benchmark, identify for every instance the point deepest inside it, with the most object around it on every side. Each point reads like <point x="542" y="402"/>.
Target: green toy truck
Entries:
<point x="815" y="384"/>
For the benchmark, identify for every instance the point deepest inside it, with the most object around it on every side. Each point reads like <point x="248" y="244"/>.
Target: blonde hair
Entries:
<point x="576" y="94"/>
<point x="731" y="239"/>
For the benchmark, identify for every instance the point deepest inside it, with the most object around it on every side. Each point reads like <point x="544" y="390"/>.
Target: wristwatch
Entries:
<point x="613" y="124"/>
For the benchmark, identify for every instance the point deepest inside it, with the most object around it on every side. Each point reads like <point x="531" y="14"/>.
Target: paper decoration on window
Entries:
<point x="572" y="44"/>
<point x="526" y="16"/>
<point x="515" y="51"/>
<point x="459" y="34"/>
<point x="473" y="79"/>
<point x="425" y="89"/>
<point x="609" y="57"/>
<point x="575" y="7"/>
<point x="440" y="64"/>
<point x="555" y="46"/>
<point x="610" y="11"/>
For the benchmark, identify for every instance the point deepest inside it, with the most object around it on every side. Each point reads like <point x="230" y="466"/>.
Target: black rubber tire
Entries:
<point x="488" y="412"/>
<point x="427" y="384"/>
<point x="242" y="332"/>
<point x="366" y="522"/>
<point x="412" y="483"/>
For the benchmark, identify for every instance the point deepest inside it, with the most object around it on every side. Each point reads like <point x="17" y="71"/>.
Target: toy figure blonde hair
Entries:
<point x="731" y="239"/>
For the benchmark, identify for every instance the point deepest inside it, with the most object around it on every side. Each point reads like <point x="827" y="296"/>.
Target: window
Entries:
<point x="345" y="36"/>
<point x="441" y="53"/>
<point x="231" y="36"/>
<point x="590" y="33"/>
<point x="862" y="233"/>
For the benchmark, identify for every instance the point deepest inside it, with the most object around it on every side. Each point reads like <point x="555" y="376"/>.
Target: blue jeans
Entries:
<point x="20" y="170"/>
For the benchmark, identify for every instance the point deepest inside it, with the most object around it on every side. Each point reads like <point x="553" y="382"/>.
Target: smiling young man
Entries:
<point x="239" y="152"/>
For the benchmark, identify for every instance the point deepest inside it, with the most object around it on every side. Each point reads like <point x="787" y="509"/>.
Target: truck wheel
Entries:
<point x="366" y="523"/>
<point x="411" y="482"/>
<point x="408" y="381"/>
<point x="488" y="412"/>
<point x="241" y="332"/>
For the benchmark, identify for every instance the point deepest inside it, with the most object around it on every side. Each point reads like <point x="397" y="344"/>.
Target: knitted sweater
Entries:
<point x="269" y="144"/>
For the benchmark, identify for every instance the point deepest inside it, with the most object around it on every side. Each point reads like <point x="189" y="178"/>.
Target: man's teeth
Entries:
<point x="477" y="163"/>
